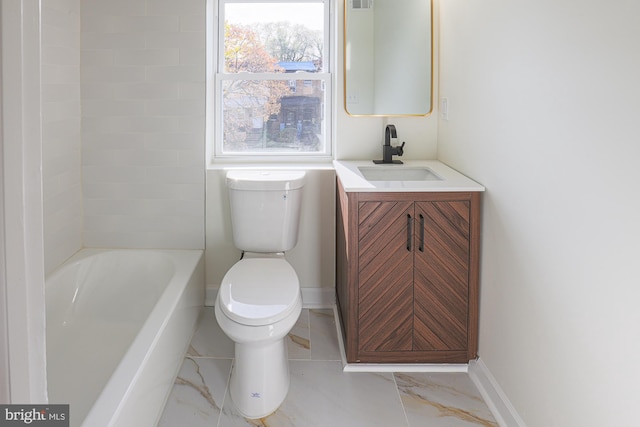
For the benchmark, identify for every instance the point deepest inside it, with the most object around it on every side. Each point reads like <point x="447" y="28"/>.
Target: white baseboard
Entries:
<point x="405" y="367"/>
<point x="502" y="409"/>
<point x="311" y="297"/>
<point x="210" y="294"/>
<point x="318" y="297"/>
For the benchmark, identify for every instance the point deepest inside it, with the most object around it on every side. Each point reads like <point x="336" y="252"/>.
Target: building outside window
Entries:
<point x="272" y="78"/>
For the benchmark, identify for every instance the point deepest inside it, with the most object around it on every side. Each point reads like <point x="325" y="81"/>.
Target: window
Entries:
<point x="272" y="78"/>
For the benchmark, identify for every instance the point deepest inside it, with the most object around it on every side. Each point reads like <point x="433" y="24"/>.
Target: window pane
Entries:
<point x="273" y="37"/>
<point x="280" y="116"/>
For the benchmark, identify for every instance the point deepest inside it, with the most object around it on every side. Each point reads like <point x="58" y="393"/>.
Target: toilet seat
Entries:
<point x="259" y="291"/>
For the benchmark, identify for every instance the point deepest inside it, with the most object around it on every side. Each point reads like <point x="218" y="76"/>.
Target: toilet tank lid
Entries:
<point x="261" y="180"/>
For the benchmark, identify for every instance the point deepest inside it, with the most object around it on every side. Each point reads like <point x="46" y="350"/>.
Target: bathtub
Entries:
<point x="118" y="326"/>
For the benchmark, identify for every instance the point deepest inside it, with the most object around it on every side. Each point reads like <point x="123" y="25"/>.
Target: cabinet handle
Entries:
<point x="409" y="231"/>
<point x="421" y="246"/>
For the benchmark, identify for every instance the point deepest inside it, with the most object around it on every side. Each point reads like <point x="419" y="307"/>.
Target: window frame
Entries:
<point x="217" y="77"/>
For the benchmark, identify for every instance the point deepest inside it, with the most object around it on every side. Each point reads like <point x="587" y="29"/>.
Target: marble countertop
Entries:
<point x="452" y="180"/>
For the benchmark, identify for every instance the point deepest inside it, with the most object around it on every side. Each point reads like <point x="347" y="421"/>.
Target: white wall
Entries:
<point x="62" y="191"/>
<point x="143" y="123"/>
<point x="543" y="110"/>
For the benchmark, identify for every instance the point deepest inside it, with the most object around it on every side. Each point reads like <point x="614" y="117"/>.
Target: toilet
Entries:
<point x="259" y="299"/>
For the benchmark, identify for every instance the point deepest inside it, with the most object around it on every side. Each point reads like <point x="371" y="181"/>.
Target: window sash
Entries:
<point x="220" y="18"/>
<point x="220" y="76"/>
<point x="220" y="79"/>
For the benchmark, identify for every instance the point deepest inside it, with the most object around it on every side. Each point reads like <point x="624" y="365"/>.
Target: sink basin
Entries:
<point x="398" y="173"/>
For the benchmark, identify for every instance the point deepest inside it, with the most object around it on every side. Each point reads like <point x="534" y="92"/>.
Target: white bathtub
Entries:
<point x="118" y="325"/>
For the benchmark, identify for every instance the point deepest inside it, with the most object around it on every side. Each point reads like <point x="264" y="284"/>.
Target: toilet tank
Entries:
<point x="265" y="209"/>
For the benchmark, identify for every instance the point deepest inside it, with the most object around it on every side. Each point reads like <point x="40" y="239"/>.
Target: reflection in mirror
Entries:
<point x="388" y="57"/>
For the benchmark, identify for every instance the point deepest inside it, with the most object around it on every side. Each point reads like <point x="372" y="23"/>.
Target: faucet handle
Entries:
<point x="400" y="149"/>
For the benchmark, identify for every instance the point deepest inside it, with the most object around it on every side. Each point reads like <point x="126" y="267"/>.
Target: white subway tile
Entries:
<point x="157" y="56"/>
<point x="60" y="128"/>
<point x="62" y="182"/>
<point x="115" y="74"/>
<point x="58" y="18"/>
<point x="53" y="111"/>
<point x="193" y="90"/>
<point x="112" y="141"/>
<point x="146" y="91"/>
<point x="196" y="22"/>
<point x="56" y="36"/>
<point x="112" y="40"/>
<point x="113" y="7"/>
<point x="179" y="73"/>
<point x="175" y="175"/>
<point x="190" y="40"/>
<point x="113" y="173"/>
<point x="99" y="57"/>
<point x="129" y="24"/>
<point x="174" y="107"/>
<point x="173" y="141"/>
<point x="142" y="207"/>
<point x="142" y="184"/>
<point x="96" y="90"/>
<point x="112" y="107"/>
<point x="172" y="7"/>
<point x="193" y="56"/>
<point x="57" y="74"/>
<point x="61" y="55"/>
<point x="61" y="92"/>
<point x="194" y="157"/>
<point x="131" y="124"/>
<point x="191" y="123"/>
<point x="175" y="240"/>
<point x="66" y="6"/>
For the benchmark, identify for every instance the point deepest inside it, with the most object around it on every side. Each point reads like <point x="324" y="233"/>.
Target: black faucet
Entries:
<point x="387" y="150"/>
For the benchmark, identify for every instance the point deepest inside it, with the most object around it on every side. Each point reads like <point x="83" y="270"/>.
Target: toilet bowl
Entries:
<point x="259" y="299"/>
<point x="257" y="305"/>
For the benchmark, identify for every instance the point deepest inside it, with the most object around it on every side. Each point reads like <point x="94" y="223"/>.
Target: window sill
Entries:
<point x="324" y="163"/>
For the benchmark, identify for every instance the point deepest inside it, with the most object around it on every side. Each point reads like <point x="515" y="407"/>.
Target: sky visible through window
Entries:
<point x="311" y="15"/>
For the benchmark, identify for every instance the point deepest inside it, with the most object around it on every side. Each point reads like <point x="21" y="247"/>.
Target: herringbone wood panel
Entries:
<point x="385" y="289"/>
<point x="441" y="291"/>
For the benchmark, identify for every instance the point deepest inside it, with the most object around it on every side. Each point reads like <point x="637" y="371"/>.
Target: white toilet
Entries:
<point x="259" y="299"/>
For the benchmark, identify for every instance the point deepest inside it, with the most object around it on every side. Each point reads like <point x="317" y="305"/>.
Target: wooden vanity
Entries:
<point x="407" y="275"/>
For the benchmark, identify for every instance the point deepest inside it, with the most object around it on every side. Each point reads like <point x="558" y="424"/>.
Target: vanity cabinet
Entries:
<point x="407" y="275"/>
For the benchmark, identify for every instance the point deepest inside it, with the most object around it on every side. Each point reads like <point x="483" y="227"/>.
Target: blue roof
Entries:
<point x="290" y="67"/>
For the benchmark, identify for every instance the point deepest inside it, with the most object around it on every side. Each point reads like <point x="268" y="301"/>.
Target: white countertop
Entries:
<point x="452" y="180"/>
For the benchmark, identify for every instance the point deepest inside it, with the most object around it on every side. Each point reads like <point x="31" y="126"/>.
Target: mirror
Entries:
<point x="388" y="57"/>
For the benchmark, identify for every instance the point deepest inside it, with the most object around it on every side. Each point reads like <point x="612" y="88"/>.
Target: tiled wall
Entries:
<point x="61" y="130"/>
<point x="143" y="123"/>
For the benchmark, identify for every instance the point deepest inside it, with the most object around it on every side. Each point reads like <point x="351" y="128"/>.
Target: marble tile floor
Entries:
<point x="320" y="394"/>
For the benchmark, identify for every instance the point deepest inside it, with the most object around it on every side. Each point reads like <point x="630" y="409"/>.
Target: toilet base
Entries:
<point x="259" y="378"/>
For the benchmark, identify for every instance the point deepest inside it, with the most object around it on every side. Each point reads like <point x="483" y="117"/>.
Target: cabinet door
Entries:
<point x="441" y="277"/>
<point x="385" y="272"/>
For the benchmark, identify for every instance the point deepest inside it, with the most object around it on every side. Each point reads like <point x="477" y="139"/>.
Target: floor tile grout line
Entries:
<point x="309" y="328"/>
<point x="404" y="411"/>
<point x="224" y="396"/>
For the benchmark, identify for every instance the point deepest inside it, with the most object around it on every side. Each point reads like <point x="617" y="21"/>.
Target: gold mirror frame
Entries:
<point x="349" y="98"/>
